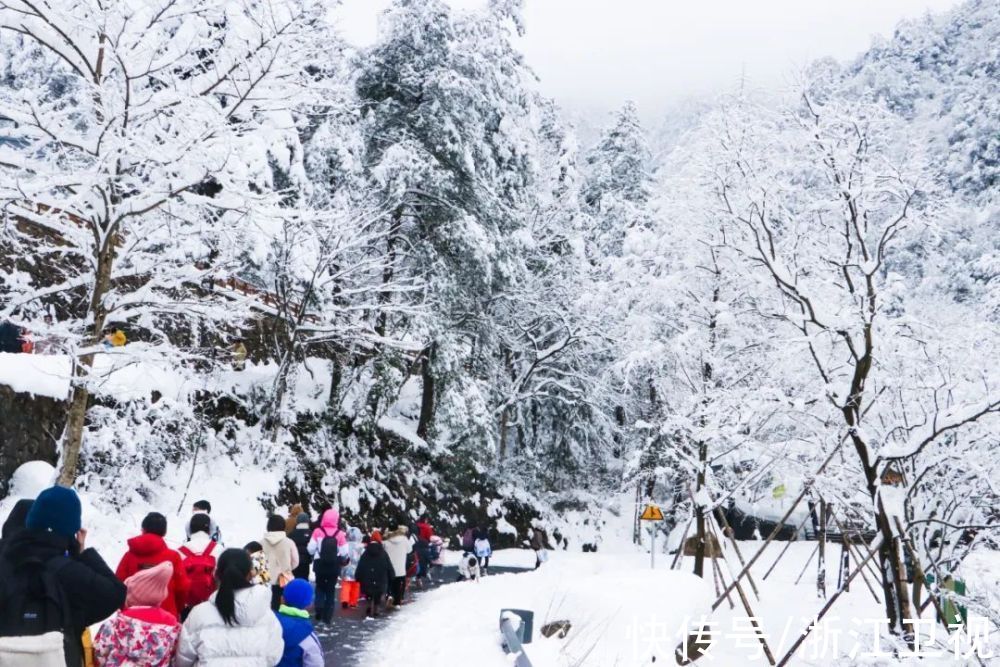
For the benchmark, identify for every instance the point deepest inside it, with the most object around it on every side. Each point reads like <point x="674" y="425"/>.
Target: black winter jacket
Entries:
<point x="90" y="587"/>
<point x="301" y="538"/>
<point x="374" y="571"/>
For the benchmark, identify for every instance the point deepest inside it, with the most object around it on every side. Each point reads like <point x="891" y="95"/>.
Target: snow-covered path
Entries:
<point x="351" y="636"/>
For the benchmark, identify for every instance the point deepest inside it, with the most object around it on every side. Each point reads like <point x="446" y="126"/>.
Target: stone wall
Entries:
<point x="30" y="427"/>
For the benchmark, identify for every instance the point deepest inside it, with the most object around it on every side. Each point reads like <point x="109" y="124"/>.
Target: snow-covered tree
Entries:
<point x="617" y="191"/>
<point x="449" y="126"/>
<point x="139" y="164"/>
<point x="823" y="200"/>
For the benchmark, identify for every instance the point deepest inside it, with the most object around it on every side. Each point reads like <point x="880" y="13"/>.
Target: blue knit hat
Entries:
<point x="57" y="510"/>
<point x="298" y="593"/>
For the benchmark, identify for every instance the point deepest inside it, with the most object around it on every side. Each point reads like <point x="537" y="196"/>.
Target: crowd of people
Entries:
<point x="203" y="603"/>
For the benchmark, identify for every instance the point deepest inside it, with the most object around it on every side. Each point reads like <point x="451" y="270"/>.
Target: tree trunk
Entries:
<point x="821" y="560"/>
<point x="76" y="418"/>
<point x="707" y="373"/>
<point x="389" y="272"/>
<point x="699" y="554"/>
<point x="895" y="591"/>
<point x="504" y="418"/>
<point x="427" y="394"/>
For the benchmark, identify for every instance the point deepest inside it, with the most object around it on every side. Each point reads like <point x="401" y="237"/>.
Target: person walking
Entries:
<point x="149" y="549"/>
<point x="301" y="535"/>
<point x="302" y="647"/>
<point x="423" y="548"/>
<point x="328" y="547"/>
<point x="282" y="557"/>
<point x="142" y="633"/>
<point x="540" y="543"/>
<point x="47" y="561"/>
<point x="397" y="545"/>
<point x="375" y="574"/>
<point x="199" y="561"/>
<point x="469" y="540"/>
<point x="236" y="627"/>
<point x="483" y="549"/>
<point x="204" y="507"/>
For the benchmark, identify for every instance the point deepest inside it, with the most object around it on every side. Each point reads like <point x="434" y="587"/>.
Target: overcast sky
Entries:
<point x="592" y="54"/>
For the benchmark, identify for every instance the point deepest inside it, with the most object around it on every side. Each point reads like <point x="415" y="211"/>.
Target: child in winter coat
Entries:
<point x="375" y="574"/>
<point x="199" y="553"/>
<point x="282" y="557"/>
<point x="143" y="634"/>
<point x="259" y="574"/>
<point x="302" y="648"/>
<point x="150" y="549"/>
<point x="354" y="550"/>
<point x="468" y="568"/>
<point x="483" y="549"/>
<point x="236" y="626"/>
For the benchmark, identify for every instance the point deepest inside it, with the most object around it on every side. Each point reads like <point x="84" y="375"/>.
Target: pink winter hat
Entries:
<point x="148" y="588"/>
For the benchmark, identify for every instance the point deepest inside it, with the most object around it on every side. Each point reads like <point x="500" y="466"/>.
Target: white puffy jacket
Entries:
<point x="206" y="641"/>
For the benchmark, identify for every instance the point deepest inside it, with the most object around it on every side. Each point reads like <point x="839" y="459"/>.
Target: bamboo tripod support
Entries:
<point x="727" y="530"/>
<point x="856" y="554"/>
<point x="829" y="604"/>
<point x="746" y="603"/>
<point x="777" y="528"/>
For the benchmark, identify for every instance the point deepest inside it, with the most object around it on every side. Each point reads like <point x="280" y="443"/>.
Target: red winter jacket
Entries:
<point x="424" y="531"/>
<point x="147" y="550"/>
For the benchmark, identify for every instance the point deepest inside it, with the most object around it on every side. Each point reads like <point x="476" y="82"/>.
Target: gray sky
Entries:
<point x="592" y="54"/>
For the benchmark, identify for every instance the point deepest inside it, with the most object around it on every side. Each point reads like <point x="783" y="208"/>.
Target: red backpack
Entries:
<point x="200" y="570"/>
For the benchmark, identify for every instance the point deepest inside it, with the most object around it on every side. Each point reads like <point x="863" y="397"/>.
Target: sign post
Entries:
<point x="652" y="513"/>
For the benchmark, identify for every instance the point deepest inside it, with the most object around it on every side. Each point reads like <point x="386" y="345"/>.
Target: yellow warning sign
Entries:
<point x="652" y="513"/>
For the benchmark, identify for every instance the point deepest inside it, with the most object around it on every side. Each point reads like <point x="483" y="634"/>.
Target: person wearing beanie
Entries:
<point x="282" y="556"/>
<point x="301" y="536"/>
<point x="149" y="549"/>
<point x="142" y="633"/>
<point x="302" y="648"/>
<point x="53" y="535"/>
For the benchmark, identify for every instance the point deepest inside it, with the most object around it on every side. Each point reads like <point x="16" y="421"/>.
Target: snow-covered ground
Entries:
<point x="612" y="602"/>
<point x="623" y="612"/>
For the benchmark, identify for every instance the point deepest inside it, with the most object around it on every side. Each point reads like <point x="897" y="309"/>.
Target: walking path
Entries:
<point x="344" y="641"/>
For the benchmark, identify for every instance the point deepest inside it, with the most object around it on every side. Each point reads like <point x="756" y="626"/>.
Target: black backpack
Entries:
<point x="32" y="601"/>
<point x="328" y="548"/>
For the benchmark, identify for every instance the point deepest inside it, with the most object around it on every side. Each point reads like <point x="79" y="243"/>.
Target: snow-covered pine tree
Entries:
<point x="618" y="184"/>
<point x="449" y="148"/>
